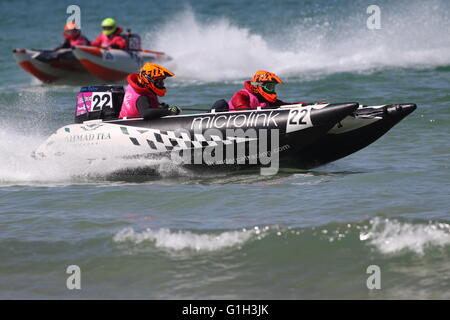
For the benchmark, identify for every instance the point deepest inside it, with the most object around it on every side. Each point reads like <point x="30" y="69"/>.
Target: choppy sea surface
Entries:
<point x="186" y="235"/>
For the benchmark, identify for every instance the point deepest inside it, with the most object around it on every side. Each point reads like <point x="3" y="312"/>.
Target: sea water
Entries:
<point x="180" y="234"/>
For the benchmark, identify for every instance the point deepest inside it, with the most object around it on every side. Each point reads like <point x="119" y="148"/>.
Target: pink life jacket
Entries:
<point x="254" y="102"/>
<point x="129" y="108"/>
<point x="104" y="41"/>
<point x="79" y="41"/>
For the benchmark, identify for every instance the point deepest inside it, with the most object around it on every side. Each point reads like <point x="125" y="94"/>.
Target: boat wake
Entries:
<point x="413" y="35"/>
<point x="18" y="167"/>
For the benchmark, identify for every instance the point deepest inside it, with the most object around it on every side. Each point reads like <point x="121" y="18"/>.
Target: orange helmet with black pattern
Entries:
<point x="263" y="82"/>
<point x="152" y="76"/>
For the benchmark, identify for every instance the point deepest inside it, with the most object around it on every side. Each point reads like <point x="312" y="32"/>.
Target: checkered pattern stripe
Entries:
<point x="163" y="141"/>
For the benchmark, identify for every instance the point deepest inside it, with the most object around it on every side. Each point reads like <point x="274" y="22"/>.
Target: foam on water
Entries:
<point x="413" y="35"/>
<point x="186" y="240"/>
<point x="392" y="236"/>
<point x="17" y="166"/>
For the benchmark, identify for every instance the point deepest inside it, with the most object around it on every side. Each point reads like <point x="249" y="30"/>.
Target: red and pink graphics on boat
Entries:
<point x="93" y="101"/>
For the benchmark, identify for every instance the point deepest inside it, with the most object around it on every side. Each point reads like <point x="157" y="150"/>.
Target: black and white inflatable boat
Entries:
<point x="300" y="136"/>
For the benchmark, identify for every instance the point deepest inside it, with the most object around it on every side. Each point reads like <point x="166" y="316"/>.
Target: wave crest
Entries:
<point x="393" y="236"/>
<point x="186" y="240"/>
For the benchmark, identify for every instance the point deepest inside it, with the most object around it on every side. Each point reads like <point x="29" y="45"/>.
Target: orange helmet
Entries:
<point x="152" y="76"/>
<point x="71" y="30"/>
<point x="263" y="82"/>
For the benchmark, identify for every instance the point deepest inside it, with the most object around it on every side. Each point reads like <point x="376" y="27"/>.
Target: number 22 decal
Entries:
<point x="101" y="101"/>
<point x="297" y="117"/>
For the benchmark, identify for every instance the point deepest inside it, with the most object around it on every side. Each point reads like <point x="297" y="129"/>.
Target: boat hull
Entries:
<point x="49" y="69"/>
<point x="233" y="139"/>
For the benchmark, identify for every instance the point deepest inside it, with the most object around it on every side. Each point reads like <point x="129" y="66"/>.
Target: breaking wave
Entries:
<point x="187" y="240"/>
<point x="393" y="236"/>
<point x="387" y="236"/>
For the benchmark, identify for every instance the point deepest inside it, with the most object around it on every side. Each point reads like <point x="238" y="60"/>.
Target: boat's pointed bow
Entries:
<point x="399" y="111"/>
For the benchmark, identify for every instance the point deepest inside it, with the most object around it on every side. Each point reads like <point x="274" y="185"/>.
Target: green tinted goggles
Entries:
<point x="268" y="86"/>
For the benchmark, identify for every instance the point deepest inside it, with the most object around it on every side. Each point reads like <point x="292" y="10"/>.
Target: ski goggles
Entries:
<point x="73" y="31"/>
<point x="159" y="83"/>
<point x="267" y="86"/>
<point x="107" y="28"/>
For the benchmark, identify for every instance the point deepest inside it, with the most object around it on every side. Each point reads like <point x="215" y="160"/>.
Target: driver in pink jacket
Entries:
<point x="111" y="36"/>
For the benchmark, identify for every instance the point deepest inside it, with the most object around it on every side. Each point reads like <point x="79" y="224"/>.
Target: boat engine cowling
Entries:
<point x="99" y="102"/>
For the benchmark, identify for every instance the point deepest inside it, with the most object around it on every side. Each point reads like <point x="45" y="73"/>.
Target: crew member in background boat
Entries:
<point x="73" y="37"/>
<point x="258" y="92"/>
<point x="141" y="95"/>
<point x="111" y="36"/>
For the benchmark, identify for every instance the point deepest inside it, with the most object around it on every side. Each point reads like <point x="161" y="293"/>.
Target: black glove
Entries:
<point x="164" y="105"/>
<point x="174" y="110"/>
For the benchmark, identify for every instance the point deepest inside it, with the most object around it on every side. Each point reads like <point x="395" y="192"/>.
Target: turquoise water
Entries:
<point x="185" y="235"/>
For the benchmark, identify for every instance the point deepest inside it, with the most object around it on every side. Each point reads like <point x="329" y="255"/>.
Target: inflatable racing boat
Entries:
<point x="299" y="136"/>
<point x="84" y="63"/>
<point x="50" y="66"/>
